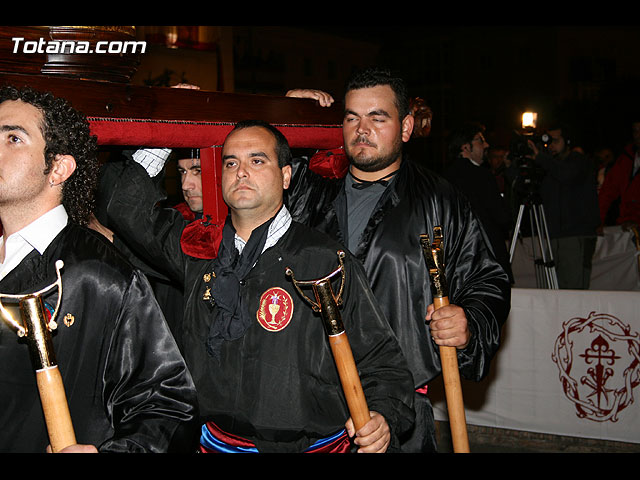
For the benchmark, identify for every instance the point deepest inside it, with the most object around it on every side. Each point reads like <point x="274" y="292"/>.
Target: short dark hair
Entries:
<point x="565" y="130"/>
<point x="65" y="132"/>
<point x="374" y="77"/>
<point x="282" y="145"/>
<point x="461" y="136"/>
<point x="182" y="153"/>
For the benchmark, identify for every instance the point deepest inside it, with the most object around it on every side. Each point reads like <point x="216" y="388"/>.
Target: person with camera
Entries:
<point x="468" y="172"/>
<point x="568" y="190"/>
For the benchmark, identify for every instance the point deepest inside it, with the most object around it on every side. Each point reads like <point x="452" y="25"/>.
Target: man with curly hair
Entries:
<point x="127" y="386"/>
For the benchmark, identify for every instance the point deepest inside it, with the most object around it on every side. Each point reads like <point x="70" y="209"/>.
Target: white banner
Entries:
<point x="615" y="262"/>
<point x="569" y="364"/>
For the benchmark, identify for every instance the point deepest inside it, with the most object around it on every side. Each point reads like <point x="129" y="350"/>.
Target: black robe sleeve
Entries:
<point x="127" y="385"/>
<point x="147" y="392"/>
<point x="384" y="373"/>
<point x="151" y="232"/>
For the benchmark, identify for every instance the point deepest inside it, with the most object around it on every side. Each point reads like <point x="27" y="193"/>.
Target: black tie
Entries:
<point x="384" y="181"/>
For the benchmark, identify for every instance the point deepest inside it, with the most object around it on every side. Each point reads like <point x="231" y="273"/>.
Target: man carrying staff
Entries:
<point x="127" y="386"/>
<point x="379" y="210"/>
<point x="261" y="362"/>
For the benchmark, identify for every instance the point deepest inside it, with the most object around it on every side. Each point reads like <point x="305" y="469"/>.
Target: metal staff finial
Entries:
<point x="37" y="330"/>
<point x="328" y="305"/>
<point x="326" y="302"/>
<point x="21" y="330"/>
<point x="434" y="257"/>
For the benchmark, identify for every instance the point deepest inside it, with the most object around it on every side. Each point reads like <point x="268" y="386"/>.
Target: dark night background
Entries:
<point x="479" y="62"/>
<point x="585" y="76"/>
<point x="467" y="66"/>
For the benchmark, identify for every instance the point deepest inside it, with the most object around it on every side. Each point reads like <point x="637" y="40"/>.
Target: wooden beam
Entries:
<point x="115" y="100"/>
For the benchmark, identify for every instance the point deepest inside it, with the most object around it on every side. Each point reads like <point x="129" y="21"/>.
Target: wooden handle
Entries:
<point x="453" y="391"/>
<point x="55" y="408"/>
<point x="350" y="380"/>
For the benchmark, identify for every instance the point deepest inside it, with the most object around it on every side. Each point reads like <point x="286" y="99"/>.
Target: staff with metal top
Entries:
<point x="36" y="329"/>
<point x="434" y="257"/>
<point x="327" y="303"/>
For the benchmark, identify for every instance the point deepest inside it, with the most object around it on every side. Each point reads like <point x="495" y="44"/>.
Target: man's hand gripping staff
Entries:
<point x="434" y="257"/>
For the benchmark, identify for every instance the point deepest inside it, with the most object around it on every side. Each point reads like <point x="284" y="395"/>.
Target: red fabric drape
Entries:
<point x="202" y="238"/>
<point x="183" y="134"/>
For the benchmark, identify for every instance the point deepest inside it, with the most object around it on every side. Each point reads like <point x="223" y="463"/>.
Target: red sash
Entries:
<point x="216" y="440"/>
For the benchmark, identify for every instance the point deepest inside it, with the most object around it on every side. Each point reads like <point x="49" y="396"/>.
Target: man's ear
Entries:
<point x="407" y="127"/>
<point x="286" y="176"/>
<point x="62" y="168"/>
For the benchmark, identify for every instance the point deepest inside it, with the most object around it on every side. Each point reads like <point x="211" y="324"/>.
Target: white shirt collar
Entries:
<point x="41" y="232"/>
<point x="276" y="230"/>
<point x="38" y="235"/>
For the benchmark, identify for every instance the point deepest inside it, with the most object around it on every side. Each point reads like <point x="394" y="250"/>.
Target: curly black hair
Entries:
<point x="66" y="132"/>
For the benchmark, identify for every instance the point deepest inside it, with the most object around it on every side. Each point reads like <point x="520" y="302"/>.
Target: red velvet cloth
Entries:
<point x="185" y="134"/>
<point x="330" y="163"/>
<point x="187" y="213"/>
<point x="201" y="239"/>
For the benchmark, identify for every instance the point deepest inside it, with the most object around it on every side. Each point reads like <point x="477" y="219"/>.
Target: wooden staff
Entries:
<point x="36" y="329"/>
<point x="433" y="256"/>
<point x="328" y="305"/>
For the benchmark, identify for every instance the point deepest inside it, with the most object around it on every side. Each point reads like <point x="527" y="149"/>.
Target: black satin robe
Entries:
<point x="278" y="389"/>
<point x="416" y="202"/>
<point x="281" y="389"/>
<point x="127" y="386"/>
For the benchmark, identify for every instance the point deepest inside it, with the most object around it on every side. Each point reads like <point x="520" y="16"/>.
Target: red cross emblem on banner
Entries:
<point x="598" y="359"/>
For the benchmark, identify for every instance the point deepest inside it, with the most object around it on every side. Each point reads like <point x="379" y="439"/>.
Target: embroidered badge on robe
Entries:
<point x="275" y="309"/>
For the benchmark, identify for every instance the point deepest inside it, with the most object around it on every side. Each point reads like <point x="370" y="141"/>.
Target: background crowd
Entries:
<point x="582" y="191"/>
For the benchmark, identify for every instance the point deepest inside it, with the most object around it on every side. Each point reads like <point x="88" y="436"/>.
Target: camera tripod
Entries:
<point x="544" y="264"/>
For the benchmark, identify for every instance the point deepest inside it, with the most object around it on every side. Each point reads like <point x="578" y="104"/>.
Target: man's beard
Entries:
<point x="375" y="163"/>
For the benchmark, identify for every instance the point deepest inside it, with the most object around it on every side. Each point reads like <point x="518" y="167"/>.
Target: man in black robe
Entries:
<point x="168" y="293"/>
<point x="259" y="355"/>
<point x="379" y="210"/>
<point x="127" y="386"/>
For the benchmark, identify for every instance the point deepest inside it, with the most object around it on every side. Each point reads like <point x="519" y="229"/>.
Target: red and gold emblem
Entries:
<point x="275" y="309"/>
